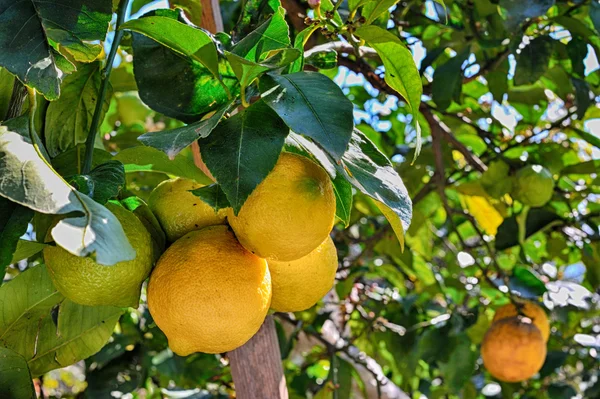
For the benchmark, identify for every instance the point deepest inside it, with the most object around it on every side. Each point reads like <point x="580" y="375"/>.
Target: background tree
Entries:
<point x="504" y="84"/>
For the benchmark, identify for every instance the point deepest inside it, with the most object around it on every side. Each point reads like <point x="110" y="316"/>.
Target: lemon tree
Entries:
<point x="371" y="199"/>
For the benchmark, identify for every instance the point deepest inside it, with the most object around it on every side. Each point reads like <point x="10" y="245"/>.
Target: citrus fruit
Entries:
<point x="529" y="309"/>
<point x="290" y="213"/>
<point x="513" y="349"/>
<point x="533" y="185"/>
<point x="208" y="293"/>
<point x="86" y="282"/>
<point x="299" y="284"/>
<point x="179" y="211"/>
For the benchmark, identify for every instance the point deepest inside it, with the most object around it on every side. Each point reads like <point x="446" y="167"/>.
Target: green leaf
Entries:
<point x="343" y="199"/>
<point x="582" y="96"/>
<point x="448" y="80"/>
<point x="498" y="81"/>
<point x="6" y="89"/>
<point x="367" y="169"/>
<point x="537" y="219"/>
<point x="30" y="30"/>
<point x="68" y="119"/>
<point x="176" y="85"/>
<point x="247" y="71"/>
<point x="185" y="39"/>
<point x="22" y="309"/>
<point x="81" y="331"/>
<point x="327" y="5"/>
<point x="104" y="181"/>
<point x="461" y="363"/>
<point x="591" y="138"/>
<point x="525" y="281"/>
<point x="273" y="34"/>
<point x="299" y="43"/>
<point x="213" y="195"/>
<point x="150" y="222"/>
<point x="26" y="249"/>
<point x="519" y="11"/>
<point x="148" y="159"/>
<point x="532" y="61"/>
<point x="254" y="13"/>
<point x="311" y="104"/>
<point x="577" y="50"/>
<point x="69" y="163"/>
<point x="88" y="227"/>
<point x="326" y="59"/>
<point x="14" y="219"/>
<point x="243" y="149"/>
<point x="15" y="379"/>
<point x="401" y="72"/>
<point x="595" y="15"/>
<point x="171" y="142"/>
<point x="561" y="390"/>
<point x="373" y="9"/>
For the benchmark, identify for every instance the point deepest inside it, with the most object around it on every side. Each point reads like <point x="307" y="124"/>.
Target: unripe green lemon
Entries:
<point x="86" y="282"/>
<point x="533" y="186"/>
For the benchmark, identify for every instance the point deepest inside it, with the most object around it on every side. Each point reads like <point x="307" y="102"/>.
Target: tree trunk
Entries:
<point x="255" y="366"/>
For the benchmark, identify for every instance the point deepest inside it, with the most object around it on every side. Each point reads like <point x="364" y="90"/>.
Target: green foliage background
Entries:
<point x="504" y="84"/>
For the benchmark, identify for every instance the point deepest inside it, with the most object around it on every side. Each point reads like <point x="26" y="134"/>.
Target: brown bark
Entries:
<point x="256" y="366"/>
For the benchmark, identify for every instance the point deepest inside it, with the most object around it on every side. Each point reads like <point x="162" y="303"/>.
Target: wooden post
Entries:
<point x="255" y="366"/>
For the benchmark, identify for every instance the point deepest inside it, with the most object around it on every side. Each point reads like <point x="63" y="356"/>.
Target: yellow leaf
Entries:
<point x="488" y="217"/>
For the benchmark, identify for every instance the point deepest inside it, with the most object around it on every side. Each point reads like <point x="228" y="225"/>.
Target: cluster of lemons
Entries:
<point x="514" y="348"/>
<point x="211" y="290"/>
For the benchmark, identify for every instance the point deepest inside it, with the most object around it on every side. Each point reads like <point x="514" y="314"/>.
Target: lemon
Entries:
<point x="208" y="293"/>
<point x="179" y="211"/>
<point x="86" y="282"/>
<point x="300" y="283"/>
<point x="529" y="309"/>
<point x="290" y="213"/>
<point x="533" y="186"/>
<point x="513" y="349"/>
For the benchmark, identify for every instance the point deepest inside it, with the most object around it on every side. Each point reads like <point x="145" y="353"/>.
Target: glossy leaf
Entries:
<point x="14" y="219"/>
<point x="88" y="227"/>
<point x="213" y="195"/>
<point x="103" y="182"/>
<point x="447" y="80"/>
<point x="178" y="86"/>
<point x="343" y="199"/>
<point x="148" y="159"/>
<point x="253" y="14"/>
<point x="30" y="29"/>
<point x="525" y="280"/>
<point x="248" y="71"/>
<point x="311" y="104"/>
<point x="68" y="119"/>
<point x="26" y="249"/>
<point x="519" y="11"/>
<point x="273" y="34"/>
<point x="171" y="142"/>
<point x="373" y="9"/>
<point x="536" y="219"/>
<point x="367" y="169"/>
<point x="242" y="150"/>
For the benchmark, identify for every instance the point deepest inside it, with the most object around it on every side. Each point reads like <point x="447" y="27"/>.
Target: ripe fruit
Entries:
<point x="179" y="211"/>
<point x="533" y="186"/>
<point x="513" y="349"/>
<point x="290" y="213"/>
<point x="529" y="309"/>
<point x="86" y="282"/>
<point x="299" y="284"/>
<point x="208" y="293"/>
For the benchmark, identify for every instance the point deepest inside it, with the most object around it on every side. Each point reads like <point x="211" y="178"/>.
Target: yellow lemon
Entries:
<point x="513" y="349"/>
<point x="86" y="282"/>
<point x="300" y="283"/>
<point x="529" y="309"/>
<point x="290" y="213"/>
<point x="179" y="211"/>
<point x="208" y="293"/>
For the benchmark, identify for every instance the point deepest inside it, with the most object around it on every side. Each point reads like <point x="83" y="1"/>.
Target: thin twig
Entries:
<point x="91" y="138"/>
